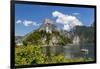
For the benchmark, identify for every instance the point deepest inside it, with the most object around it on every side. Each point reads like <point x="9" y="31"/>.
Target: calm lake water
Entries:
<point x="71" y="51"/>
<point x="91" y="49"/>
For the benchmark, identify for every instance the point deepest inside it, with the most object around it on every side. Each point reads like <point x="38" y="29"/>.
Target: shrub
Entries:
<point x="26" y="55"/>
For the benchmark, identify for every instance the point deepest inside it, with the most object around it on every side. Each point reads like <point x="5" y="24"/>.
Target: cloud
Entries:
<point x="18" y="21"/>
<point x="27" y="23"/>
<point x="76" y="13"/>
<point x="68" y="21"/>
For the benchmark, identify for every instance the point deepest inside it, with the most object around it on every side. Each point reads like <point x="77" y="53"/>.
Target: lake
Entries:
<point x="72" y="50"/>
<point x="91" y="49"/>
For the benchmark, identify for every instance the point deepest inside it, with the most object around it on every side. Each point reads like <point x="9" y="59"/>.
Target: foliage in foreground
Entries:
<point x="26" y="55"/>
<point x="32" y="55"/>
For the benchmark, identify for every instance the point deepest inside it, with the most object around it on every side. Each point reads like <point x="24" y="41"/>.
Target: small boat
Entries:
<point x="85" y="51"/>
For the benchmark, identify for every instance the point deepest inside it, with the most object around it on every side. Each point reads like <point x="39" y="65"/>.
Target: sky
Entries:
<point x="30" y="17"/>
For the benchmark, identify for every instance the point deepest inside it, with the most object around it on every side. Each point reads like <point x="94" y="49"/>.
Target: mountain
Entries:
<point x="18" y="39"/>
<point x="47" y="34"/>
<point x="85" y="33"/>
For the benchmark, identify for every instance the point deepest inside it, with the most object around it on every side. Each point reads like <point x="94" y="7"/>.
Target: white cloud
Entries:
<point x="27" y="23"/>
<point x="68" y="21"/>
<point x="76" y="13"/>
<point x="18" y="21"/>
<point x="66" y="27"/>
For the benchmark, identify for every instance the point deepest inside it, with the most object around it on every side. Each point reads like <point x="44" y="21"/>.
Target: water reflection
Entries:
<point x="71" y="51"/>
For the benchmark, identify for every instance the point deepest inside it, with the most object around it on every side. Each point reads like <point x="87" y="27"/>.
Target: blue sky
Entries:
<point x="35" y="14"/>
